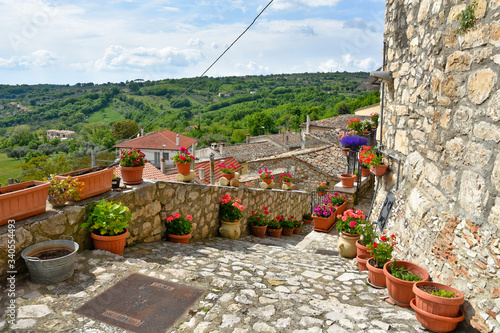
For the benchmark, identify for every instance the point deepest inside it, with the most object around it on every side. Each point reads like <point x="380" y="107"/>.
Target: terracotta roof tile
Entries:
<point x="330" y="159"/>
<point x="156" y="140"/>
<point x="217" y="173"/>
<point x="250" y="151"/>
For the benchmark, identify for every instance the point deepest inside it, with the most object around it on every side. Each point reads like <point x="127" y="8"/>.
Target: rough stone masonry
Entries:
<point x="442" y="119"/>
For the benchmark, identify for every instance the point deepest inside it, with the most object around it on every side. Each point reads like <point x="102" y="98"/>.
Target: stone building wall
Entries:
<point x="150" y="204"/>
<point x="305" y="175"/>
<point x="443" y="120"/>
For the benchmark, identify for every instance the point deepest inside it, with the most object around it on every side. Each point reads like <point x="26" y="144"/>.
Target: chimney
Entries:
<point x="222" y="146"/>
<point x="286" y="140"/>
<point x="308" y="123"/>
<point x="177" y="140"/>
<point x="248" y="138"/>
<point x="142" y="131"/>
<point x="162" y="165"/>
<point x="201" y="173"/>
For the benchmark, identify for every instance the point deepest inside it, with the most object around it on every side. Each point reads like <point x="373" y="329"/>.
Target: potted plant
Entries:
<point x="366" y="126"/>
<point x="179" y="228"/>
<point x="266" y="176"/>
<point x="307" y="218"/>
<point x="107" y="222"/>
<point x="373" y="159"/>
<point x="353" y="141"/>
<point x="23" y="200"/>
<point x="400" y="277"/>
<point x="258" y="223"/>
<point x="325" y="214"/>
<point x="62" y="190"/>
<point x="321" y="188"/>
<point x="274" y="228"/>
<point x="286" y="178"/>
<point x="343" y="134"/>
<point x="382" y="253"/>
<point x="230" y="212"/>
<point x="183" y="161"/>
<point x="347" y="180"/>
<point x="367" y="235"/>
<point x="365" y="157"/>
<point x="115" y="182"/>
<point x="288" y="226"/>
<point x="354" y="124"/>
<point x="96" y="180"/>
<point x="132" y="163"/>
<point x="348" y="225"/>
<point x="227" y="170"/>
<point x="437" y="306"/>
<point x="297" y="225"/>
<point x="374" y="119"/>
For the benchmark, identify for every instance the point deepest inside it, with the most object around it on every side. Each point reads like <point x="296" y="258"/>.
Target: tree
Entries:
<point x="96" y="132"/>
<point x="342" y="108"/>
<point x="124" y="129"/>
<point x="239" y="135"/>
<point x="41" y="167"/>
<point x="21" y="135"/>
<point x="261" y="121"/>
<point x="18" y="152"/>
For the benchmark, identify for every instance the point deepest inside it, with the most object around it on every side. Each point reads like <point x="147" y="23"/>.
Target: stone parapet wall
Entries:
<point x="443" y="120"/>
<point x="150" y="204"/>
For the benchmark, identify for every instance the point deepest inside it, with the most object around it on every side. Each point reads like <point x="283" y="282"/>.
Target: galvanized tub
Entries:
<point x="53" y="270"/>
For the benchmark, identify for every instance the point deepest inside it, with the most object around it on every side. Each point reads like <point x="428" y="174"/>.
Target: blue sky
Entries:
<point x="117" y="40"/>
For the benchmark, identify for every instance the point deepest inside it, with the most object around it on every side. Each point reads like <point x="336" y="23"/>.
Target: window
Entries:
<point x="157" y="158"/>
<point x="165" y="156"/>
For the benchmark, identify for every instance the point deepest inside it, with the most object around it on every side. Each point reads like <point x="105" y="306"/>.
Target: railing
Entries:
<point x="317" y="198"/>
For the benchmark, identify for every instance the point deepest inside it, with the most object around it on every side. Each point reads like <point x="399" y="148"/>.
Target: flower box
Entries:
<point x="23" y="200"/>
<point x="96" y="180"/>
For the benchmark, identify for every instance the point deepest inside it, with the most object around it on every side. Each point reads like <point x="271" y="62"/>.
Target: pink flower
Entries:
<point x="353" y="224"/>
<point x="170" y="218"/>
<point x="344" y="218"/>
<point x="189" y="217"/>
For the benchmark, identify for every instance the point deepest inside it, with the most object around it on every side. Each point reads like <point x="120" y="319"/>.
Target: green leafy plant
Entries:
<point x="382" y="251"/>
<point x="108" y="218"/>
<point x="287" y="224"/>
<point x="374" y="118"/>
<point x="322" y="187"/>
<point x="366" y="230"/>
<point x="350" y="221"/>
<point x="227" y="168"/>
<point x="62" y="190"/>
<point x="307" y="216"/>
<point x="296" y="223"/>
<point x="366" y="125"/>
<point x="403" y="273"/>
<point x="132" y="158"/>
<point x="179" y="225"/>
<point x="467" y="18"/>
<point x="231" y="209"/>
<point x="274" y="224"/>
<point x="259" y="220"/>
<point x="368" y="156"/>
<point x="444" y="293"/>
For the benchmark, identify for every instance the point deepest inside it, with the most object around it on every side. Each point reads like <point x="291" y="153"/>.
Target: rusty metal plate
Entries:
<point x="327" y="252"/>
<point x="141" y="304"/>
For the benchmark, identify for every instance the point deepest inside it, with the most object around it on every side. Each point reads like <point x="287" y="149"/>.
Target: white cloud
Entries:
<point x="40" y="58"/>
<point x="348" y="63"/>
<point x="116" y="57"/>
<point x="252" y="67"/>
<point x="287" y="4"/>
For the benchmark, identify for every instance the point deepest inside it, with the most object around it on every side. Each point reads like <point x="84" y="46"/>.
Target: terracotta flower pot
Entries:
<point x="228" y="176"/>
<point x="286" y="183"/>
<point x="324" y="223"/>
<point x="346" y="244"/>
<point x="321" y="193"/>
<point x="362" y="250"/>
<point x="274" y="232"/>
<point x="365" y="172"/>
<point x="434" y="322"/>
<point x="362" y="259"/>
<point x="95" y="182"/>
<point x="23" y="200"/>
<point x="267" y="181"/>
<point x="376" y="275"/>
<point x="347" y="180"/>
<point x="183" y="239"/>
<point x="132" y="175"/>
<point x="296" y="231"/>
<point x="379" y="170"/>
<point x="184" y="168"/>
<point x="113" y="244"/>
<point x="258" y="231"/>
<point x="287" y="232"/>
<point x="230" y="230"/>
<point x="440" y="306"/>
<point x="340" y="210"/>
<point x="307" y="221"/>
<point x="346" y="150"/>
<point x="401" y="291"/>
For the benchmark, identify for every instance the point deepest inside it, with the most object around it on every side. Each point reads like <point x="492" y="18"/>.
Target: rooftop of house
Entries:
<point x="151" y="172"/>
<point x="250" y="151"/>
<point x="217" y="171"/>
<point x="367" y="110"/>
<point x="338" y="122"/>
<point x="279" y="139"/>
<point x="158" y="140"/>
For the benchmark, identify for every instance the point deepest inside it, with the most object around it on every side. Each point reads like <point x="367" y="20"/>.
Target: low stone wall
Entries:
<point x="151" y="203"/>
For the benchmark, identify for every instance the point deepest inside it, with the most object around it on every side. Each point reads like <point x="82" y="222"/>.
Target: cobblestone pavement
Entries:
<point x="252" y="285"/>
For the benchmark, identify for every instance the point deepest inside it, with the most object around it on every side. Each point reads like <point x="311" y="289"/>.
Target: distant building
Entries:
<point x="221" y="94"/>
<point x="156" y="145"/>
<point x="61" y="134"/>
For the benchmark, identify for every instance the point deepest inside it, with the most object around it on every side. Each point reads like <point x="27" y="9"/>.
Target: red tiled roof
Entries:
<point x="156" y="140"/>
<point x="150" y="172"/>
<point x="217" y="173"/>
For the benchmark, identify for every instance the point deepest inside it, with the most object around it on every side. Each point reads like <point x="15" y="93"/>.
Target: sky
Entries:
<point x="66" y="42"/>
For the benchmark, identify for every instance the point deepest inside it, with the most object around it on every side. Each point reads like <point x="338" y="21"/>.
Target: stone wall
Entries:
<point x="150" y="204"/>
<point x="305" y="175"/>
<point x="442" y="118"/>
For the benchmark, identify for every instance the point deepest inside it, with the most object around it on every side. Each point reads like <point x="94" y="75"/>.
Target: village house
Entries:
<point x="61" y="134"/>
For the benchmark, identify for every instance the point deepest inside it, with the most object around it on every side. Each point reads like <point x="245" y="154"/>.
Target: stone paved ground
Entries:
<point x="252" y="285"/>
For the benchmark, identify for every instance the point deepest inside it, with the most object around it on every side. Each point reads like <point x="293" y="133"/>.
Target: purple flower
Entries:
<point x="353" y="141"/>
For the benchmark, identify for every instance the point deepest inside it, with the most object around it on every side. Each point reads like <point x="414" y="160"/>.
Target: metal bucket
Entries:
<point x="47" y="271"/>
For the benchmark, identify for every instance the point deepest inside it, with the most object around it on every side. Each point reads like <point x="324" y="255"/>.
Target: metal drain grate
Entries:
<point x="141" y="304"/>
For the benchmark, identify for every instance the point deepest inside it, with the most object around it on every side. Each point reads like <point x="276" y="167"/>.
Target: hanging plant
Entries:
<point x="467" y="18"/>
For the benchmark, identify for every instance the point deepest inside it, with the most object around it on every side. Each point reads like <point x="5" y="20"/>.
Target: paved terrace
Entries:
<point x="251" y="285"/>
